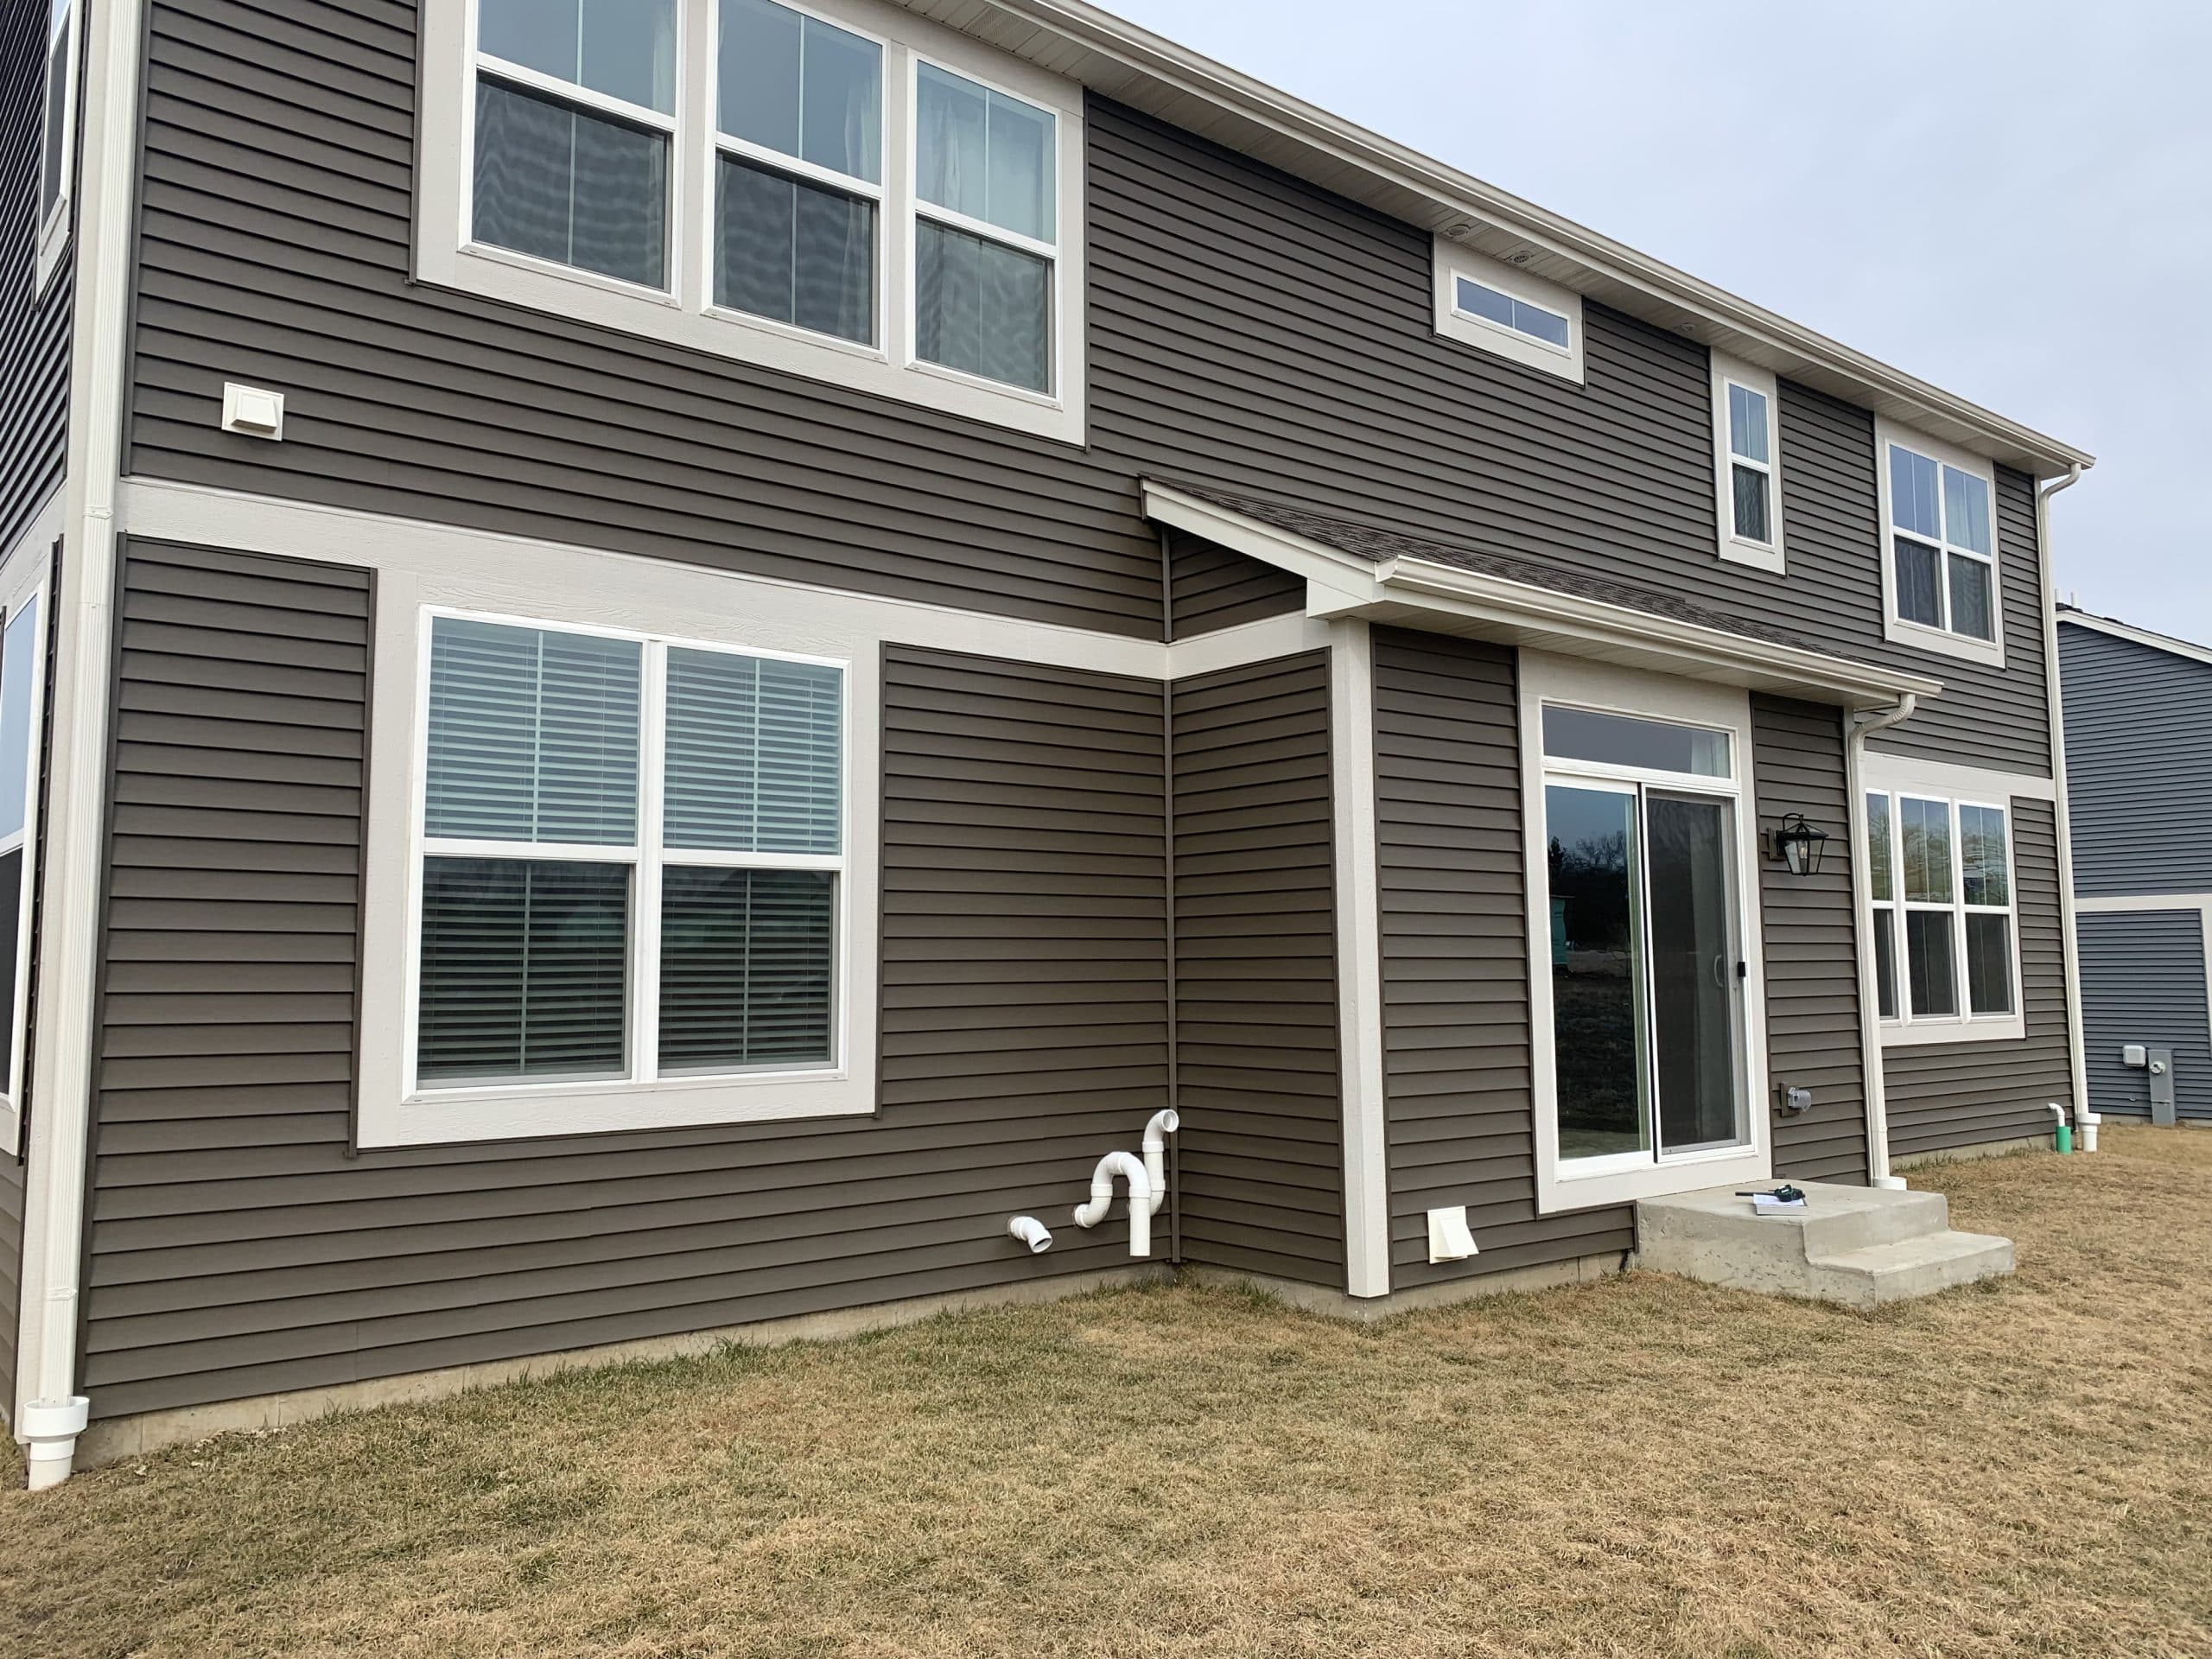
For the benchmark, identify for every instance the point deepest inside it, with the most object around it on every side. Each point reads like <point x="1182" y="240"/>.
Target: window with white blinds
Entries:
<point x="631" y="854"/>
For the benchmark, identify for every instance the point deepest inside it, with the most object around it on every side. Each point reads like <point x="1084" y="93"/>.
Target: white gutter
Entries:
<point x="2076" y="1044"/>
<point x="61" y="1086"/>
<point x="1773" y="340"/>
<point x="1862" y="897"/>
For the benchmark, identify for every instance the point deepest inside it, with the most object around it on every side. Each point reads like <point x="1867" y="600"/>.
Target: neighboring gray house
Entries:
<point x="2138" y="771"/>
<point x="666" y="659"/>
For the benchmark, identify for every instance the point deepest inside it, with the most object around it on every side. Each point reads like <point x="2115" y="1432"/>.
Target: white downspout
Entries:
<point x="1128" y="1167"/>
<point x="1862" y="896"/>
<point x="2077" y="1047"/>
<point x="1156" y="1132"/>
<point x="47" y="1401"/>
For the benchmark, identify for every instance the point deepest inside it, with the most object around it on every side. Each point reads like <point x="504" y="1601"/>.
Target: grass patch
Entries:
<point x="1646" y="1466"/>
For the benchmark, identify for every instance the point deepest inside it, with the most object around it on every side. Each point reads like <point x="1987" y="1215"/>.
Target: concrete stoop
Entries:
<point x="1860" y="1246"/>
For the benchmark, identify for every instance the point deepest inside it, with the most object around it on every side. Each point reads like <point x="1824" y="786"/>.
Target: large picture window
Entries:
<point x="631" y="864"/>
<point x="1946" y="945"/>
<point x="23" y="685"/>
<point x="837" y="188"/>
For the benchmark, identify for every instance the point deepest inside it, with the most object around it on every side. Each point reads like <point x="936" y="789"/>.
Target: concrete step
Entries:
<point x="1913" y="1267"/>
<point x="1860" y="1246"/>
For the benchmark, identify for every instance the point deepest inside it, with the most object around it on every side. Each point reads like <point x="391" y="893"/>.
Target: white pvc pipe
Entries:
<point x="49" y="1431"/>
<point x="1032" y="1232"/>
<point x="1129" y="1168"/>
<point x="1163" y="1124"/>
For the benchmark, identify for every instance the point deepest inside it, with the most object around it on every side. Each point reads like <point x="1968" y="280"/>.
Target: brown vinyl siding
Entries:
<point x="1811" y="946"/>
<point x="237" y="1249"/>
<point x="33" y="326"/>
<point x="1261" y="1152"/>
<point x="1212" y="589"/>
<point x="1460" y="1113"/>
<point x="11" y="1275"/>
<point x="1245" y="329"/>
<point x="1947" y="1095"/>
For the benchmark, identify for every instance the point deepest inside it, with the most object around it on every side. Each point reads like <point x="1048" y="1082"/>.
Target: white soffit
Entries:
<point x="1144" y="70"/>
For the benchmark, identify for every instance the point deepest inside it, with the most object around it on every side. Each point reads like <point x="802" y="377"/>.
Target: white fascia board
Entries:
<point x="2166" y="643"/>
<point x="1344" y="575"/>
<point x="1618" y="274"/>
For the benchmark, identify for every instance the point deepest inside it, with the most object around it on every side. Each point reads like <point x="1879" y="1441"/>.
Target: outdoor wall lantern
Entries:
<point x="1798" y="844"/>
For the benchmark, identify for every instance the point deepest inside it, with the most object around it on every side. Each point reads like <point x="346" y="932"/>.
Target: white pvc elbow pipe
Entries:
<point x="1163" y="1124"/>
<point x="1129" y="1168"/>
<point x="1032" y="1232"/>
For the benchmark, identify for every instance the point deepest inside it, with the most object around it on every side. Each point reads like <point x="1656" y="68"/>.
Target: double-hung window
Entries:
<point x="834" y="189"/>
<point x="1747" y="443"/>
<point x="22" y="680"/>
<point x="1940" y="548"/>
<point x="57" y="135"/>
<point x="632" y="853"/>
<point x="575" y="117"/>
<point x="1946" y="943"/>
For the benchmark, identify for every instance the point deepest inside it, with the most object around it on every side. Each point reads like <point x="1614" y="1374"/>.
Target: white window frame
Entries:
<point x="429" y="1113"/>
<point x="1735" y="548"/>
<point x="1451" y="261"/>
<point x="1897" y="629"/>
<point x="1583" y="1183"/>
<point x="1908" y="1027"/>
<point x="24" y="578"/>
<point x="684" y="314"/>
<point x="54" y="227"/>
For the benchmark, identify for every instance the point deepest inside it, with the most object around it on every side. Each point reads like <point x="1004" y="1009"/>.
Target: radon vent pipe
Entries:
<point x="1156" y="1132"/>
<point x="1126" y="1166"/>
<point x="1032" y="1232"/>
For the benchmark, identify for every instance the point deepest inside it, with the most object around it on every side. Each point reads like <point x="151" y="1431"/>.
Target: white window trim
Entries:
<point x="1896" y="628"/>
<point x="684" y="314"/>
<point x="1742" y="550"/>
<point x="397" y="1109"/>
<point x="24" y="578"/>
<point x="1958" y="786"/>
<point x="1451" y="261"/>
<point x="1547" y="679"/>
<point x="54" y="230"/>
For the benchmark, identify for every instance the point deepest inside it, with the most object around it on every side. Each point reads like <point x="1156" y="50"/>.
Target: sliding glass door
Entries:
<point x="1648" y="999"/>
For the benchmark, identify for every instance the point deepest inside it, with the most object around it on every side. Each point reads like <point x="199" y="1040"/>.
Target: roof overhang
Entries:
<point x="2119" y="630"/>
<point x="1416" y="593"/>
<point x="1149" y="72"/>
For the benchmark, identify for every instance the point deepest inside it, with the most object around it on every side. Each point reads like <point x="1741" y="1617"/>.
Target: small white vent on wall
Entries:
<point x="253" y="411"/>
<point x="1448" y="1237"/>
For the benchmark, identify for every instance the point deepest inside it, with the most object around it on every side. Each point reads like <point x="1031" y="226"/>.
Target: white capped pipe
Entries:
<point x="50" y="1432"/>
<point x="1130" y="1168"/>
<point x="2085" y="1132"/>
<point x="1032" y="1232"/>
<point x="1163" y="1124"/>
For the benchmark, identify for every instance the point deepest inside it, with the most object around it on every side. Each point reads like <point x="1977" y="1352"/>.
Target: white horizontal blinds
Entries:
<point x="799" y="172"/>
<point x="1943" y="545"/>
<point x="19" y="661"/>
<point x="754" y="772"/>
<point x="747" y="959"/>
<point x="532" y="745"/>
<point x="533" y="736"/>
<point x="576" y="105"/>
<point x="1985" y="894"/>
<point x="525" y="969"/>
<point x="1882" y="880"/>
<point x="985" y="230"/>
<point x="754" y="754"/>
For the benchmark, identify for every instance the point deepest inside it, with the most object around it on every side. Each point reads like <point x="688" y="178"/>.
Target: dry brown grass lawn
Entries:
<point x="1641" y="1467"/>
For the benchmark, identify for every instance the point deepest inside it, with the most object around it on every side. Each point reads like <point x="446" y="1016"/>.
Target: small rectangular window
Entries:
<point x="1940" y="543"/>
<point x="985" y="231"/>
<point x="1627" y="741"/>
<point x="1940" y="871"/>
<point x="1503" y="310"/>
<point x="1747" y="449"/>
<point x="576" y="103"/>
<point x="1487" y="304"/>
<point x="558" y="856"/>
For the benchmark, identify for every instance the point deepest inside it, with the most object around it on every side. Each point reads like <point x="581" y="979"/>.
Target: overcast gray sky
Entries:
<point x="2013" y="201"/>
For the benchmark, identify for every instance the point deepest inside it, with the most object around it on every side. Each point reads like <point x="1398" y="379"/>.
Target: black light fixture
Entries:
<point x="1798" y="844"/>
